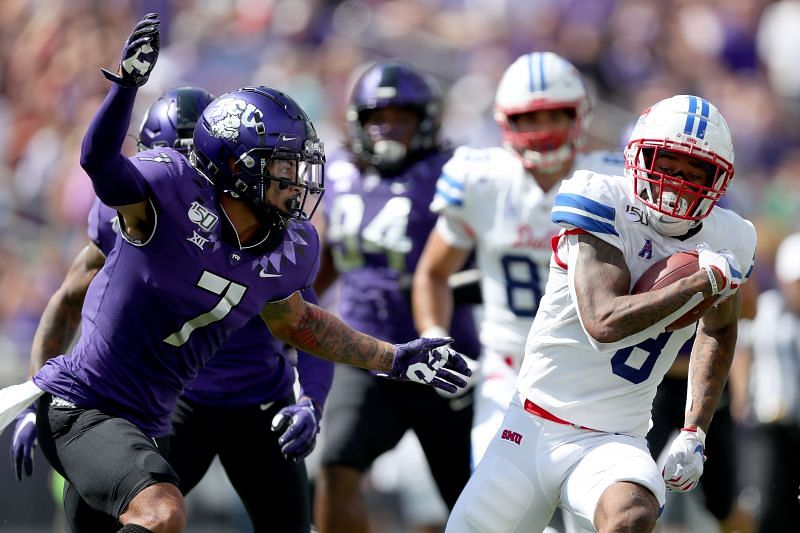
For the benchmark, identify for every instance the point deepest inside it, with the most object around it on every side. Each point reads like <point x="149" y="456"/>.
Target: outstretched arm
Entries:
<point x="317" y="331"/>
<point x="61" y="316"/>
<point x="116" y="181"/>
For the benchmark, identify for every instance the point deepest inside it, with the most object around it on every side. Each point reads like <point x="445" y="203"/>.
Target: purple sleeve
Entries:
<point x="101" y="229"/>
<point x="315" y="374"/>
<point x="116" y="180"/>
<point x="93" y="223"/>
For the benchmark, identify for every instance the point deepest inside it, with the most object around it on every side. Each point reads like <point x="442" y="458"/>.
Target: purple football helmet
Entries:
<point x="394" y="83"/>
<point x="244" y="132"/>
<point x="171" y="119"/>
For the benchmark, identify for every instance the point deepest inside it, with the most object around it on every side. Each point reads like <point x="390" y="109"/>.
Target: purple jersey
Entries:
<point x="376" y="228"/>
<point x="250" y="368"/>
<point x="158" y="310"/>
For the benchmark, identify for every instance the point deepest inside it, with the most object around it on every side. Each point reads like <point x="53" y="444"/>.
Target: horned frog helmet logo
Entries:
<point x="228" y="114"/>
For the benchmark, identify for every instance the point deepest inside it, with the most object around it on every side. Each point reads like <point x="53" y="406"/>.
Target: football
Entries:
<point x="669" y="270"/>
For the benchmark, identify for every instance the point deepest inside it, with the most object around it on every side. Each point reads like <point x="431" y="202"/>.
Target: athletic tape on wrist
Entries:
<point x="434" y="332"/>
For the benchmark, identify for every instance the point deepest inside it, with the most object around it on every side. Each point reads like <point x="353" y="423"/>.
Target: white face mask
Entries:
<point x="667" y="225"/>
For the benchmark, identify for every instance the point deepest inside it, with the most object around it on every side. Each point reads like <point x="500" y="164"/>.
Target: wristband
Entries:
<point x="713" y="280"/>
<point x="700" y="434"/>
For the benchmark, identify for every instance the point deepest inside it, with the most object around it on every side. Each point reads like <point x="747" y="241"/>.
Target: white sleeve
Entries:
<point x="585" y="202"/>
<point x="455" y="233"/>
<point x="455" y="189"/>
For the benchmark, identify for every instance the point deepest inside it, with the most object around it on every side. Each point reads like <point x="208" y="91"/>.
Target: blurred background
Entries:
<point x="742" y="55"/>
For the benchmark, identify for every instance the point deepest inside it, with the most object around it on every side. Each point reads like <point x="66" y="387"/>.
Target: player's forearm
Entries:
<point x="631" y="314"/>
<point x="56" y="330"/>
<point x="432" y="300"/>
<point x="601" y="282"/>
<point x="116" y="182"/>
<point x="321" y="333"/>
<point x="708" y="371"/>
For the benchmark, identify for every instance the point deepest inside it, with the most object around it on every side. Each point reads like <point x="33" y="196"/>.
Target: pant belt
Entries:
<point x="541" y="412"/>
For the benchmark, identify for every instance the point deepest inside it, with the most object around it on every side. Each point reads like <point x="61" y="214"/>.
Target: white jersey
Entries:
<point x="562" y="372"/>
<point x="488" y="201"/>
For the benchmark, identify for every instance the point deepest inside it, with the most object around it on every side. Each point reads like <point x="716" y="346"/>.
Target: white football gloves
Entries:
<point x="684" y="464"/>
<point x="726" y="264"/>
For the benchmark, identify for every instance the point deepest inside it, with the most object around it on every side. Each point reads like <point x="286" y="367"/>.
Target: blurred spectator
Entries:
<point x="768" y="359"/>
<point x="779" y="48"/>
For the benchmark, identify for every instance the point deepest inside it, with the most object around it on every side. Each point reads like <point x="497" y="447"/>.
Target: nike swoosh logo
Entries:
<point x="289" y="138"/>
<point x="265" y="406"/>
<point x="263" y="274"/>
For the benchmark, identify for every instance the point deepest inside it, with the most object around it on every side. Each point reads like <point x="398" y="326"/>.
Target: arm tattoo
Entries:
<point x="323" y="334"/>
<point x="602" y="282"/>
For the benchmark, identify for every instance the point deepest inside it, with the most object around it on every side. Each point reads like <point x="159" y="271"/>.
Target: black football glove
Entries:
<point x="139" y="54"/>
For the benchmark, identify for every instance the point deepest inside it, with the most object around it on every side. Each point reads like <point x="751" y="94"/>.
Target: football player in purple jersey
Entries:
<point x="375" y="226"/>
<point x="204" y="246"/>
<point x="227" y="410"/>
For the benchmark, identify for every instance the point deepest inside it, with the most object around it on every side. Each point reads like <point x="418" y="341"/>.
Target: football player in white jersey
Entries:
<point x="497" y="201"/>
<point x="574" y="434"/>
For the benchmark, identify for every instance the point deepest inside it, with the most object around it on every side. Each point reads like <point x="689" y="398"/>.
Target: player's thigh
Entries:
<point x="607" y="460"/>
<point x="273" y="489"/>
<point x="515" y="488"/>
<point x="444" y="434"/>
<point x="361" y="419"/>
<point x="193" y="443"/>
<point x="108" y="460"/>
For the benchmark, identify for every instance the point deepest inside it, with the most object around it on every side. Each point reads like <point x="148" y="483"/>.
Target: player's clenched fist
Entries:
<point x="684" y="464"/>
<point x="139" y="54"/>
<point x="725" y="264"/>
